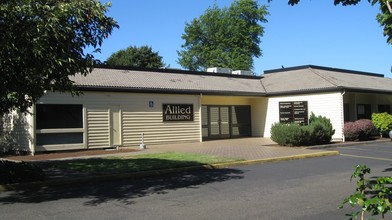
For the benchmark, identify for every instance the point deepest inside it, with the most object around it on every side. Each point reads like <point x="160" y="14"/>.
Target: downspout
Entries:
<point x="342" y="112"/>
<point x="200" y="118"/>
<point x="33" y="140"/>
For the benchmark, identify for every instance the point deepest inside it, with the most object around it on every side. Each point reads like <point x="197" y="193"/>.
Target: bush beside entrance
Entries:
<point x="361" y="130"/>
<point x="319" y="131"/>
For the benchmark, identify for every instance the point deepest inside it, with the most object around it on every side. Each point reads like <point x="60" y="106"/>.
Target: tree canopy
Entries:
<point x="383" y="17"/>
<point x="42" y="43"/>
<point x="224" y="37"/>
<point x="136" y="57"/>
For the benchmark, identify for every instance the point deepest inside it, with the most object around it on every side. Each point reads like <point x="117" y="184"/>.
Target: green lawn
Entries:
<point x="137" y="163"/>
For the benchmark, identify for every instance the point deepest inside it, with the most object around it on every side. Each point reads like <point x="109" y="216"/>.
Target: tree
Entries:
<point x="42" y="43"/>
<point x="227" y="37"/>
<point x="383" y="17"/>
<point x="136" y="57"/>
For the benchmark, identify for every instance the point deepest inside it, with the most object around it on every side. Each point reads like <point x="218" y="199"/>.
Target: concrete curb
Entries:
<point x="119" y="176"/>
<point x="344" y="144"/>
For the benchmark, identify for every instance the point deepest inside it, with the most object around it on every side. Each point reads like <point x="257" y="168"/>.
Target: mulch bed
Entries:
<point x="67" y="154"/>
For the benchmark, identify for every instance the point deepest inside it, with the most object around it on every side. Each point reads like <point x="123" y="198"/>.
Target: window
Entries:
<point x="384" y="108"/>
<point x="59" y="116"/>
<point x="364" y="111"/>
<point x="346" y="108"/>
<point x="59" y="124"/>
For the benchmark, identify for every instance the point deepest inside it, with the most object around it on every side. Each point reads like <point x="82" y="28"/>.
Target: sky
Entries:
<point x="314" y="32"/>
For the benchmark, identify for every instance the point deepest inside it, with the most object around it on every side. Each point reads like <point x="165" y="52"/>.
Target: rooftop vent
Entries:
<point x="219" y="70"/>
<point x="242" y="72"/>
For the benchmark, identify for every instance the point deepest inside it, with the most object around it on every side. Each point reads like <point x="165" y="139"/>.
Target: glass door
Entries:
<point x="219" y="120"/>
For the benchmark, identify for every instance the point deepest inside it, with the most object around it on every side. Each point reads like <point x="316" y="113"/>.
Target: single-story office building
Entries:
<point x="171" y="106"/>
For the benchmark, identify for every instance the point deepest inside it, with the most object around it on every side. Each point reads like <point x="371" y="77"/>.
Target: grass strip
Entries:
<point x="146" y="162"/>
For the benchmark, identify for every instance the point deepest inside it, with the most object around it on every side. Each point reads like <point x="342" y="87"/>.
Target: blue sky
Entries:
<point x="313" y="32"/>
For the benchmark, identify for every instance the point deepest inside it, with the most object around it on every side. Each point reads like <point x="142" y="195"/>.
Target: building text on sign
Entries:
<point x="296" y="112"/>
<point x="177" y="112"/>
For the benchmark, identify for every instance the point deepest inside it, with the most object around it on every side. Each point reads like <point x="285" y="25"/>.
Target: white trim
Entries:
<point x="59" y="130"/>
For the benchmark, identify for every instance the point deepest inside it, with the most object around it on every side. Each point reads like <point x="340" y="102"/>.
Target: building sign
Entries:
<point x="177" y="112"/>
<point x="296" y="112"/>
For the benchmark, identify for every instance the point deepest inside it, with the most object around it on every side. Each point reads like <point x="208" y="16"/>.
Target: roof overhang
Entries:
<point x="169" y="91"/>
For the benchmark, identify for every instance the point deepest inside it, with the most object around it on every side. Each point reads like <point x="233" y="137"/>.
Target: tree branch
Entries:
<point x="389" y="6"/>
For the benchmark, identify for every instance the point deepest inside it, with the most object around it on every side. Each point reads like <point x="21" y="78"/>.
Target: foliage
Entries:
<point x="384" y="17"/>
<point x="319" y="131"/>
<point x="371" y="197"/>
<point x="383" y="122"/>
<point x="227" y="37"/>
<point x="42" y="44"/>
<point x="136" y="57"/>
<point x="351" y="131"/>
<point x="290" y="134"/>
<point x="361" y="130"/>
<point x="17" y="172"/>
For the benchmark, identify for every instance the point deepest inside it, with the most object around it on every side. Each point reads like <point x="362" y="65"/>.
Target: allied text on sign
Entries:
<point x="177" y="112"/>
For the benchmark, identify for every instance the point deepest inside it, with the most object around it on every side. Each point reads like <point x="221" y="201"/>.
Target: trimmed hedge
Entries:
<point x="362" y="130"/>
<point x="319" y="131"/>
<point x="290" y="134"/>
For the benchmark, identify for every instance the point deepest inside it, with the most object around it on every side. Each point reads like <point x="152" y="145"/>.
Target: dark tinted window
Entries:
<point x="59" y="116"/>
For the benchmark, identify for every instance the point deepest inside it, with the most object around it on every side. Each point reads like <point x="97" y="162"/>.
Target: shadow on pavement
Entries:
<point x="123" y="191"/>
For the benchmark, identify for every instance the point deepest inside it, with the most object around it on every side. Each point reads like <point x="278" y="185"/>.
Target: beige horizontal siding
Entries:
<point x="329" y="105"/>
<point x="155" y="130"/>
<point x="136" y="117"/>
<point x="98" y="124"/>
<point x="16" y="125"/>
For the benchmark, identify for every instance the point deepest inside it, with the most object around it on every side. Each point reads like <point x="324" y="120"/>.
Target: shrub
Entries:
<point x="17" y="172"/>
<point x="383" y="122"/>
<point x="351" y="131"/>
<point x="359" y="130"/>
<point x="319" y="131"/>
<point x="290" y="134"/>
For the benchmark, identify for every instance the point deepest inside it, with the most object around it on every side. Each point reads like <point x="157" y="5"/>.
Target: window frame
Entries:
<point x="78" y="129"/>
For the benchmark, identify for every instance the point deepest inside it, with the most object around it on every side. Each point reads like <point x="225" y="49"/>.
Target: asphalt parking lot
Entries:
<point x="381" y="151"/>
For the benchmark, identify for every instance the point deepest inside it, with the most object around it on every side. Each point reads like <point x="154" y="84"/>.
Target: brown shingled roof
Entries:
<point x="167" y="82"/>
<point x="295" y="80"/>
<point x="304" y="79"/>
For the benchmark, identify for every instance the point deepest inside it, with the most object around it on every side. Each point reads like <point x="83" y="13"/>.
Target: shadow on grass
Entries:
<point x="98" y="166"/>
<point x="126" y="190"/>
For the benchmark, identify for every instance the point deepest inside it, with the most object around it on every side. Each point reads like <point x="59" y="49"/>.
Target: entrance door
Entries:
<point x="223" y="122"/>
<point x="219" y="122"/>
<point x="115" y="126"/>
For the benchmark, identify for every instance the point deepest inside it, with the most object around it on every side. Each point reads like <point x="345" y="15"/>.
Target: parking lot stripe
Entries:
<point x="371" y="150"/>
<point x="365" y="157"/>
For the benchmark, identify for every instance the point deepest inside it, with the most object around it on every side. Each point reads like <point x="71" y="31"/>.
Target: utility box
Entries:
<point x="219" y="70"/>
<point x="242" y="72"/>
